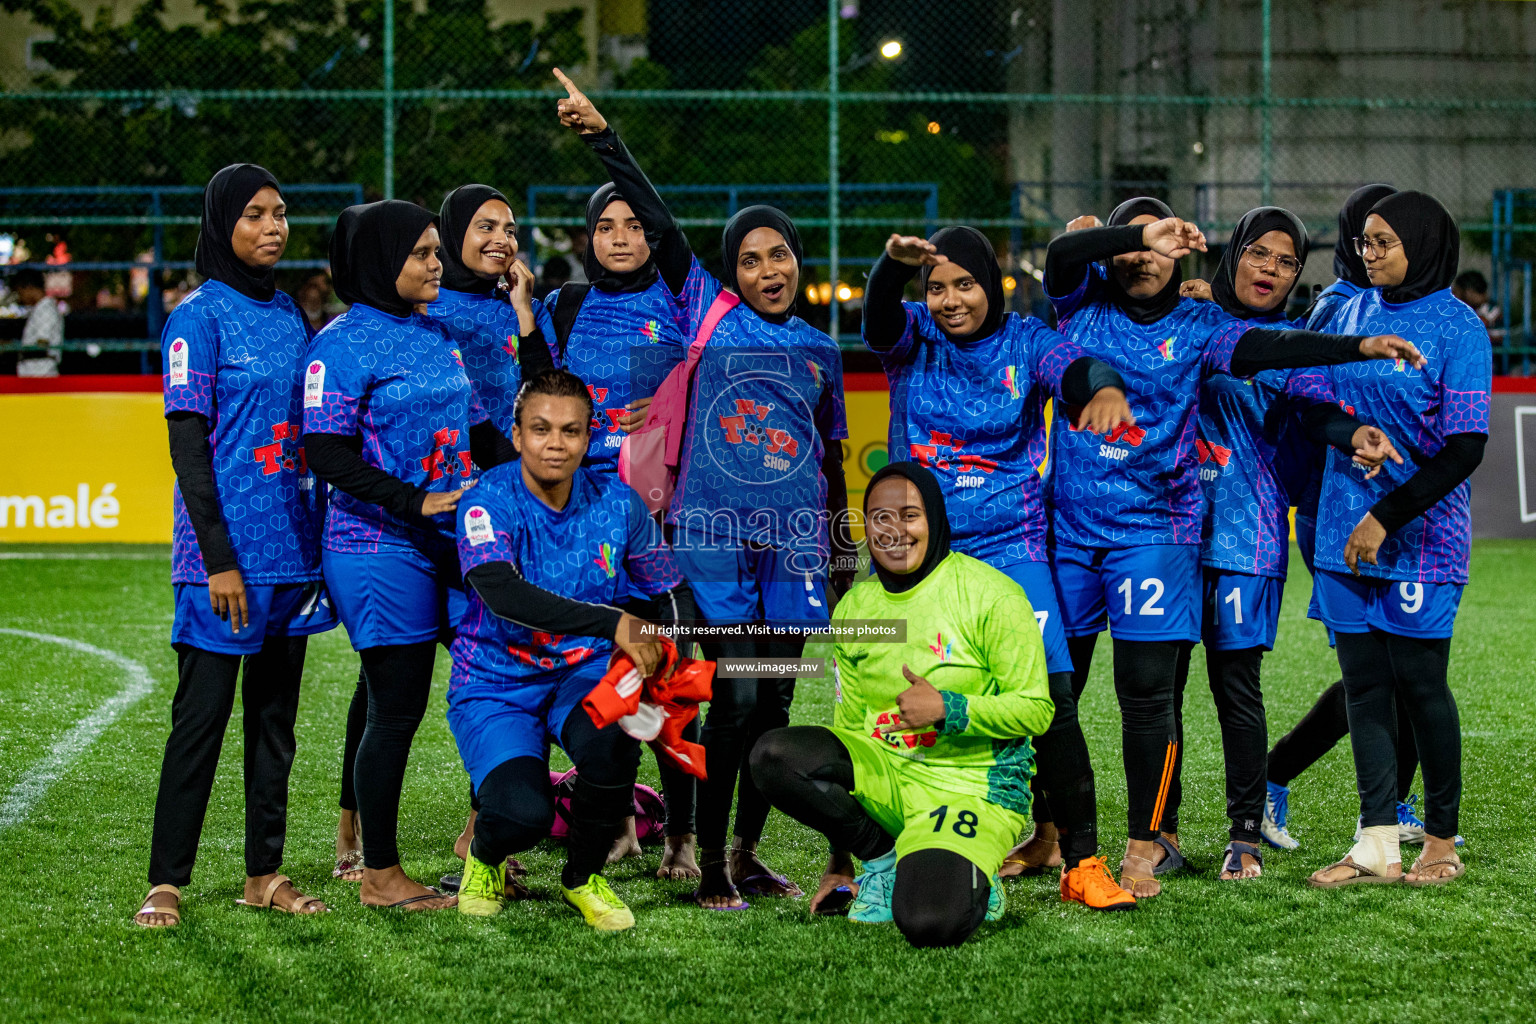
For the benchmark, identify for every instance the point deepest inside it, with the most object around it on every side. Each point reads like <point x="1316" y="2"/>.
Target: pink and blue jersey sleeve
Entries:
<point x="698" y="294"/>
<point x="485" y="531"/>
<point x="1051" y="353"/>
<point x="335" y="384"/>
<point x="648" y="559"/>
<point x="832" y="409"/>
<point x="189" y="361"/>
<point x="1466" y="390"/>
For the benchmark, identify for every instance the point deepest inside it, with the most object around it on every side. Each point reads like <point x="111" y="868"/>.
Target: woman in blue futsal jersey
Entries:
<point x="391" y="422"/>
<point x="1389" y="582"/>
<point x="246" y="544"/>
<point x="759" y="506"/>
<point x="1258" y="440"/>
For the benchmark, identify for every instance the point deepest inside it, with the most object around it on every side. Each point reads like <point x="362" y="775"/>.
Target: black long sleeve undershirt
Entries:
<point x="1327" y="423"/>
<point x="533" y="356"/>
<point x="338" y="460"/>
<point x="193" y="462"/>
<point x="885" y="321"/>
<point x="509" y="596"/>
<point x="488" y="446"/>
<point x="1068" y="256"/>
<point x="671" y="253"/>
<point x="1437" y="476"/>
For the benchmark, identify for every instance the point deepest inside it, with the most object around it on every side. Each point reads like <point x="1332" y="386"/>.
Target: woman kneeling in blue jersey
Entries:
<point x="391" y="422"/>
<point x="924" y="774"/>
<point x="246" y="545"/>
<point x="549" y="549"/>
<point x="1389" y="583"/>
<point x="1259" y="440"/>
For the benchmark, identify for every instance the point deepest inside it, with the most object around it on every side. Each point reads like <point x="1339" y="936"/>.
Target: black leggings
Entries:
<point x="1063" y="784"/>
<point x="1149" y="683"/>
<point x="205" y="698"/>
<point x="740" y="711"/>
<point x="517" y="802"/>
<point x="1234" y="679"/>
<point x="399" y="683"/>
<point x="940" y="898"/>
<point x="357" y="721"/>
<point x="1386" y="677"/>
<point x="1321" y="728"/>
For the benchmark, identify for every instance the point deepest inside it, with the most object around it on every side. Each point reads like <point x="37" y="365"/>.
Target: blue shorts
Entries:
<point x="1146" y="593"/>
<point x="1352" y="604"/>
<point x="735" y="583"/>
<point x="1241" y="611"/>
<point x="276" y="609"/>
<point x="1035" y="578"/>
<point x="1306" y="541"/>
<point x="394" y="596"/>
<point x="494" y="721"/>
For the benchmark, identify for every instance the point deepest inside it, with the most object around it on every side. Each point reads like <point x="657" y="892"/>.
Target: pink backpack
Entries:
<point x="650" y="809"/>
<point x="649" y="458"/>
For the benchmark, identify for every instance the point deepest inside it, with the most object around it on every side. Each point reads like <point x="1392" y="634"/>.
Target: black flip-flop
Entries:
<point x="434" y="894"/>
<point x="1173" y="862"/>
<point x="1232" y="860"/>
<point x="835" y="903"/>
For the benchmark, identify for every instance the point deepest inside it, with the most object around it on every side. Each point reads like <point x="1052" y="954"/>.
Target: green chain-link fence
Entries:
<point x="859" y="117"/>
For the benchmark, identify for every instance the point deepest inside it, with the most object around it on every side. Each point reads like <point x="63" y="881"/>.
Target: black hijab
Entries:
<point x="453" y="220"/>
<point x="972" y="251"/>
<point x="742" y="224"/>
<point x="629" y="281"/>
<point x="1347" y="265"/>
<point x="224" y="200"/>
<point x="1254" y="225"/>
<point x="938" y="525"/>
<point x="369" y="248"/>
<point x="1431" y="241"/>
<point x="1153" y="308"/>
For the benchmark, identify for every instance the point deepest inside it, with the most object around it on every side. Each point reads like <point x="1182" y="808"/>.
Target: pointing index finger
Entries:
<point x="570" y="86"/>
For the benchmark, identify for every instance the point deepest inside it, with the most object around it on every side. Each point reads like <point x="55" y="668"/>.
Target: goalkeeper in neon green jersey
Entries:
<point x="925" y="773"/>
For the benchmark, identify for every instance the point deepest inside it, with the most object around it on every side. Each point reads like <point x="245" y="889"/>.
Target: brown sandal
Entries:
<point x="149" y="908"/>
<point x="293" y="904"/>
<point x="1127" y="866"/>
<point x="1420" y="864"/>
<point x="1362" y="876"/>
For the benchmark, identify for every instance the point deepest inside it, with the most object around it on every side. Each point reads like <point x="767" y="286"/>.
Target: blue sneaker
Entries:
<point x="1277" y="809"/>
<point x="873" y="903"/>
<point x="996" y="902"/>
<point x="1409" y="828"/>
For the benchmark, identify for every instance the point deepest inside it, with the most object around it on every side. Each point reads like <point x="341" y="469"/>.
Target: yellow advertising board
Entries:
<point x="89" y="468"/>
<point x="106" y="475"/>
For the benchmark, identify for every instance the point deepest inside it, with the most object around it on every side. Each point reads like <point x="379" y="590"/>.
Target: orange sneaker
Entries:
<point x="1091" y="884"/>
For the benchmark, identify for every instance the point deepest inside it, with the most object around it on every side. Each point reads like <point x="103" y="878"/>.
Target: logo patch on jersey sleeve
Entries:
<point x="477" y="526"/>
<point x="179" y="353"/>
<point x="314" y="385"/>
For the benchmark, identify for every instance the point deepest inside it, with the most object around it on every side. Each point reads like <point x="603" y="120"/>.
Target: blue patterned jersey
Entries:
<point x="240" y="364"/>
<point x="602" y="548"/>
<point x="973" y="411"/>
<point x="766" y="399"/>
<point x="1255" y="462"/>
<point x="399" y="382"/>
<point x="622" y="345"/>
<point x="1328" y="303"/>
<point x="1139" y="485"/>
<point x="485" y="328"/>
<point x="1418" y="409"/>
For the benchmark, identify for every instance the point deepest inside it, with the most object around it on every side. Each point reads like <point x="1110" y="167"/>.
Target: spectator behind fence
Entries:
<point x="316" y="298"/>
<point x="1471" y="287"/>
<point x="44" y="327"/>
<point x="556" y="272"/>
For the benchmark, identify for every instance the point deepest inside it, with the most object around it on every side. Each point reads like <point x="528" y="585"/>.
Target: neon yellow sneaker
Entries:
<point x="483" y="889"/>
<point x="600" y="907"/>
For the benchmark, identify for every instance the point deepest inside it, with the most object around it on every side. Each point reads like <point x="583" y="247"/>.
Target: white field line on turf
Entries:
<point x="34" y="784"/>
<point x="82" y="556"/>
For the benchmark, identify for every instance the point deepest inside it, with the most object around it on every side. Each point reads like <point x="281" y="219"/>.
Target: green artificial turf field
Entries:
<point x="73" y="852"/>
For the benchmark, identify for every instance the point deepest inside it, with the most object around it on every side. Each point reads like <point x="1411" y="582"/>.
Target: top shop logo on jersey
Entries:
<point x="755" y="426"/>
